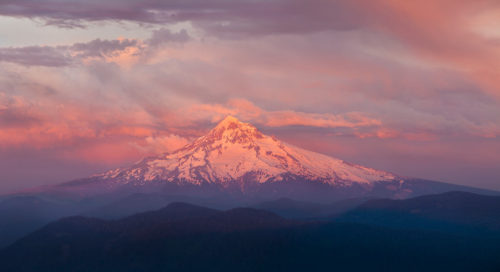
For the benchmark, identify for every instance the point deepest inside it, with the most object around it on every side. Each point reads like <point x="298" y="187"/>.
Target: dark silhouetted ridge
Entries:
<point x="451" y="210"/>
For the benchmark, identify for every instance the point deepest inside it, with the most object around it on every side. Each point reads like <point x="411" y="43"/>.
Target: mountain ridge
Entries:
<point x="241" y="239"/>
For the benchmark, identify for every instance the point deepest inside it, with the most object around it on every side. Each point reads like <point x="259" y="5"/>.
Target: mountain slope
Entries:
<point x="234" y="150"/>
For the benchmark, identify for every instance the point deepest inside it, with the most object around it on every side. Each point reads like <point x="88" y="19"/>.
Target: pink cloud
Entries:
<point x="254" y="114"/>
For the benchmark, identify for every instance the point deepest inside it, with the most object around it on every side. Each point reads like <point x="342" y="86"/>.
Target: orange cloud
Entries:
<point x="248" y="111"/>
<point x="290" y="118"/>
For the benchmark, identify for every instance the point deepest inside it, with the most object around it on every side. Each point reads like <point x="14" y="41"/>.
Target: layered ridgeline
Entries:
<point x="236" y="159"/>
<point x="185" y="237"/>
<point x="233" y="165"/>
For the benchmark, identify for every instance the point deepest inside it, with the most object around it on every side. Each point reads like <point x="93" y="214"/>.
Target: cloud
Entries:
<point x="216" y="16"/>
<point x="162" y="144"/>
<point x="57" y="121"/>
<point x="291" y="118"/>
<point x="101" y="48"/>
<point x="59" y="56"/>
<point x="164" y="35"/>
<point x="250" y="112"/>
<point x="358" y="72"/>
<point x="110" y="50"/>
<point x="15" y="114"/>
<point x="35" y="55"/>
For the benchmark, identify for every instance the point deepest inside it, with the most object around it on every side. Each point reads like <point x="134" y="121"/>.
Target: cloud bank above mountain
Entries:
<point x="400" y="83"/>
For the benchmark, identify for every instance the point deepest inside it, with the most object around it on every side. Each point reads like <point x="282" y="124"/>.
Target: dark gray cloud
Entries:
<point x="12" y="117"/>
<point x="58" y="56"/>
<point x="218" y="16"/>
<point x="35" y="55"/>
<point x="164" y="35"/>
<point x="101" y="48"/>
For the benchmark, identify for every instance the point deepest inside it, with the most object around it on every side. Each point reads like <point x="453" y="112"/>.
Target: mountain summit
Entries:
<point x="232" y="130"/>
<point x="236" y="158"/>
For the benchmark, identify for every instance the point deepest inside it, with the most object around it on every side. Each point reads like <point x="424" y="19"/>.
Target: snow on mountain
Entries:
<point x="235" y="152"/>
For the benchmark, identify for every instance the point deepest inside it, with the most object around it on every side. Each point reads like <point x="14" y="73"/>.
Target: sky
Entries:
<point x="411" y="87"/>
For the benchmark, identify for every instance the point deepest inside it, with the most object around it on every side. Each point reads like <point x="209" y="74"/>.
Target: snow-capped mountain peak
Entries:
<point x="235" y="152"/>
<point x="231" y="130"/>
